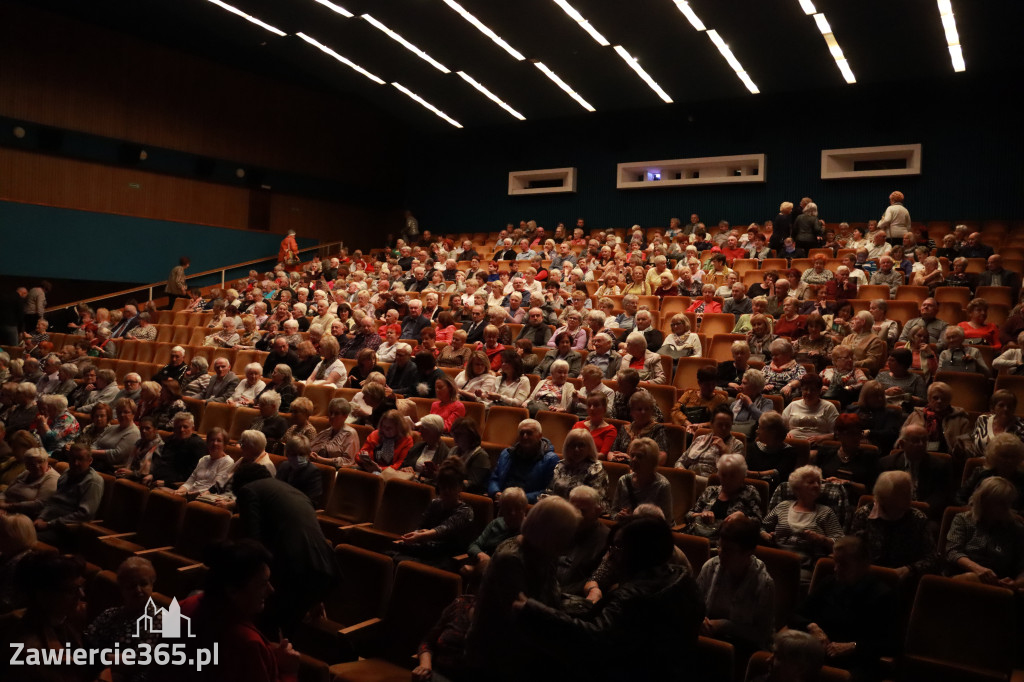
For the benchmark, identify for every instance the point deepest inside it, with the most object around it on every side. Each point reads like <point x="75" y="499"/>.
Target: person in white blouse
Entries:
<point x="885" y="329"/>
<point x="513" y="386"/>
<point x="896" y="219"/>
<point x="213" y="469"/>
<point x="476" y="383"/>
<point x="330" y="369"/>
<point x="681" y="343"/>
<point x="246" y="390"/>
<point x="810" y="417"/>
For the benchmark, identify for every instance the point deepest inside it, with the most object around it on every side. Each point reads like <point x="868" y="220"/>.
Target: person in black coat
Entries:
<point x="997" y="275"/>
<point x="782" y="226"/>
<point x="177" y="459"/>
<point x="281" y="354"/>
<point x="474" y="328"/>
<point x="401" y="377"/>
<point x="283" y="520"/>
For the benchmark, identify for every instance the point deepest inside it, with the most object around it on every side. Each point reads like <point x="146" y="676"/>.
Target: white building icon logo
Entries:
<point x="169" y="625"/>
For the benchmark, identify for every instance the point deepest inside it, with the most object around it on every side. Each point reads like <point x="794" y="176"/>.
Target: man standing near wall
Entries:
<point x="176" y="287"/>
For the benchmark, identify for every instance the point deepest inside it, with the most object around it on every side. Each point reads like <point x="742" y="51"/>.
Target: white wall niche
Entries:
<point x="871" y="162"/>
<point x="543" y="181"/>
<point x="708" y="170"/>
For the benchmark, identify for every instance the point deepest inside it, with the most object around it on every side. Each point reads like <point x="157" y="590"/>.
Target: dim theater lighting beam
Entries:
<point x="427" y="104"/>
<point x="490" y="95"/>
<point x="405" y="43"/>
<point x="335" y="8"/>
<point x="483" y="29"/>
<point x="248" y="17"/>
<point x="328" y="51"/>
<point x="564" y="86"/>
<point x="635" y="65"/>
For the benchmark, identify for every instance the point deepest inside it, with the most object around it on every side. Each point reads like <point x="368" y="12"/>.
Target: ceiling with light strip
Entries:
<point x="476" y="63"/>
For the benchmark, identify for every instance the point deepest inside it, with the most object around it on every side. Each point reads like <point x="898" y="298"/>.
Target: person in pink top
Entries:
<point x="447" y="406"/>
<point x="976" y="330"/>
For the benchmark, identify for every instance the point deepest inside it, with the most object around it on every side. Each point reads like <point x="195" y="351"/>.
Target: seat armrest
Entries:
<point x="367" y="524"/>
<point x="115" y="536"/>
<point x="144" y="552"/>
<point x="191" y="567"/>
<point x="363" y="628"/>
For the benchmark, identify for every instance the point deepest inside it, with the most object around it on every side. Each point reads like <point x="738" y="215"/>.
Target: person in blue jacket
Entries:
<point x="528" y="464"/>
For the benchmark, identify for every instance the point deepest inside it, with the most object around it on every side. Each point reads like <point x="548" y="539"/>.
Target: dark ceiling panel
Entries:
<point x="780" y="47"/>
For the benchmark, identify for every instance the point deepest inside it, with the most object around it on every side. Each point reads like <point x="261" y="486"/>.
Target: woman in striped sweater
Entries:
<point x="803" y="525"/>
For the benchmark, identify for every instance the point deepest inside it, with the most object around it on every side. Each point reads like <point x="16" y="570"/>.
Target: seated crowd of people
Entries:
<point x="817" y="407"/>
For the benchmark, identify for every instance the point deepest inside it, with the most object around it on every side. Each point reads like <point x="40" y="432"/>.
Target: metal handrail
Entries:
<point x="149" y="287"/>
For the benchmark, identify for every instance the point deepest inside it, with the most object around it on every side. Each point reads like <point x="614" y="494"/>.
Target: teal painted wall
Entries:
<point x="42" y="241"/>
<point x="972" y="159"/>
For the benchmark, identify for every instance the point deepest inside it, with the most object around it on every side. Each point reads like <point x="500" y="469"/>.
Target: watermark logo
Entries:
<point x="157" y="620"/>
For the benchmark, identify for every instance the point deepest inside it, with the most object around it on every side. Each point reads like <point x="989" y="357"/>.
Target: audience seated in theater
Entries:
<point x="737" y="591"/>
<point x="947" y="428"/>
<point x="732" y="498"/>
<point x="1004" y="454"/>
<point x="976" y="330"/>
<point x="116" y="626"/>
<point x="528" y="464"/>
<point x="77" y="499"/>
<point x="54" y="425"/>
<point x="896" y="534"/>
<point x="30" y="489"/>
<point x="928" y="308"/>
<point x="579" y="466"/>
<point x="223" y="383"/>
<point x="554" y="393"/>
<point x="17" y="538"/>
<point x="112" y="448"/>
<point x="445" y="527"/>
<point x="931" y="475"/>
<point x="769" y="457"/>
<point x="639" y="357"/>
<point x="104" y="391"/>
<point x="851" y="613"/>
<point x="803" y="525"/>
<point x="526" y="564"/>
<point x="655" y="609"/>
<point x="986" y="543"/>
<point x="643" y="484"/>
<point x="903" y="388"/>
<point x="50" y="585"/>
<point x="387" y="446"/>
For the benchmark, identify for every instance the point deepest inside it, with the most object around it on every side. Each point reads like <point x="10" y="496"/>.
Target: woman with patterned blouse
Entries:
<point x="816" y="346"/>
<point x="702" y="456"/>
<point x="554" y="394"/>
<point x="760" y="338"/>
<point x="897" y="535"/>
<point x="641" y="408"/>
<point x="579" y="466"/>
<point x="782" y="375"/>
<point x="842" y="381"/>
<point x="732" y="498"/>
<point x="55" y="426"/>
<point x="643" y="484"/>
<point x="695" y="405"/>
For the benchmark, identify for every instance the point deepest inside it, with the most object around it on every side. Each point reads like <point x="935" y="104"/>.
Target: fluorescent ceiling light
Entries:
<point x="734" y="63"/>
<point x="690" y="15"/>
<point x="833" y="44"/>
<point x="352" y="65"/>
<point x="427" y="104"/>
<point x="406" y="44"/>
<point x="584" y="24"/>
<point x="335" y="8"/>
<point x="956" y="54"/>
<point x="248" y="17"/>
<point x="635" y="65"/>
<point x="563" y="85"/>
<point x="808" y="7"/>
<point x="483" y="29"/>
<point x="822" y="23"/>
<point x="490" y="95"/>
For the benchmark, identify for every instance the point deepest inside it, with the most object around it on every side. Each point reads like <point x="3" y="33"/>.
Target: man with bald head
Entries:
<point x="973" y="248"/>
<point x="535" y="329"/>
<point x="888" y="275"/>
<point x="997" y="276"/>
<point x="936" y="327"/>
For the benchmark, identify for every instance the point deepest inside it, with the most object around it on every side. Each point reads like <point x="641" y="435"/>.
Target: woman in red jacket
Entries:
<point x="387" y="446"/>
<point x="289" y="251"/>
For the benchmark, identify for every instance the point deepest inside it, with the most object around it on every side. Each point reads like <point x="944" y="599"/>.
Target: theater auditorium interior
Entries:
<point x="475" y="340"/>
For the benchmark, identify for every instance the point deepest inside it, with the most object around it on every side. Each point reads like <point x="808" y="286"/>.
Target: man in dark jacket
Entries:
<point x="281" y="354"/>
<point x="301" y="474"/>
<point x="177" y="459"/>
<point x="282" y="518"/>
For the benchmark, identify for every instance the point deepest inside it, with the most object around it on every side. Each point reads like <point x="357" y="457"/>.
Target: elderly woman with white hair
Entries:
<point x="579" y="466"/>
<point x="731" y="498"/>
<point x="32" y="487"/>
<point x="868" y="349"/>
<point x="645" y="362"/>
<point x="555" y="393"/>
<point x="643" y="484"/>
<point x="196" y="378"/>
<point x="986" y="543"/>
<point x="750" y="402"/>
<point x="330" y="369"/>
<point x="957" y="357"/>
<point x="248" y="388"/>
<point x="703" y="454"/>
<point x="226" y="337"/>
<point x="574" y="328"/>
<point x="681" y="342"/>
<point x="897" y="535"/>
<point x="270" y="422"/>
<point x="802" y="525"/>
<point x="55" y="426"/>
<point x="281" y="382"/>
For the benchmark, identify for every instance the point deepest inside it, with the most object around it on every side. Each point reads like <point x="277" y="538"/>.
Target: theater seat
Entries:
<point x="216" y="414"/>
<point x="401" y="506"/>
<point x="202" y="525"/>
<point x="759" y="666"/>
<point x="502" y="424"/>
<point x="158" y="527"/>
<point x="354" y="499"/>
<point x="241" y="419"/>
<point x="555" y="426"/>
<point x="683" y="484"/>
<point x="686" y="371"/>
<point x="120" y="515"/>
<point x="970" y="391"/>
<point x="419" y="596"/>
<point x="696" y="549"/>
<point x="984" y="650"/>
<point x="784" y="568"/>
